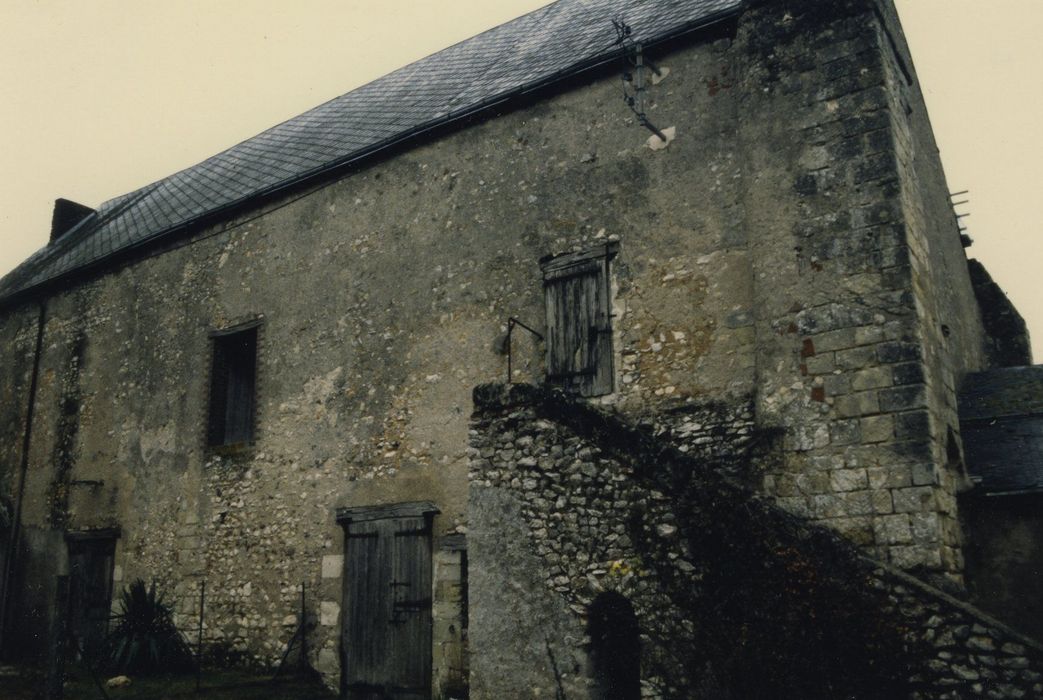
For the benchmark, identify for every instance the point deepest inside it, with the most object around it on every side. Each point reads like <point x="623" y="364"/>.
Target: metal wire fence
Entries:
<point x="65" y="645"/>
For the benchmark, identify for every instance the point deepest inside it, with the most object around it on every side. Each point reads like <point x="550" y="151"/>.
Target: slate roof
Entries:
<point x="536" y="49"/>
<point x="1001" y="420"/>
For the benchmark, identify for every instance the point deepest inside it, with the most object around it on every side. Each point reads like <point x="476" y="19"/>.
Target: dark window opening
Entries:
<point x="615" y="648"/>
<point x="578" y="297"/>
<point x="233" y="379"/>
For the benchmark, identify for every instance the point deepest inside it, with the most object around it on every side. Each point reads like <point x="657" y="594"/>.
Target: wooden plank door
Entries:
<point x="386" y="637"/>
<point x="90" y="591"/>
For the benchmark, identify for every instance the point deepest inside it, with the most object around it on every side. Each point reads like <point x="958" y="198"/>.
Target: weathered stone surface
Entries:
<point x="676" y="553"/>
<point x="785" y="269"/>
<point x="332" y="565"/>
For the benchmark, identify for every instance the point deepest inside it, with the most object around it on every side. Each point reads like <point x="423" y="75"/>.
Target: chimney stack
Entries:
<point x="66" y="215"/>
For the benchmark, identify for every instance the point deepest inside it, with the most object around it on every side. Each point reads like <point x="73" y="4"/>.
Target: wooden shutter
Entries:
<point x="215" y="433"/>
<point x="233" y="381"/>
<point x="386" y="634"/>
<point x="579" y="321"/>
<point x="241" y="352"/>
<point x="615" y="648"/>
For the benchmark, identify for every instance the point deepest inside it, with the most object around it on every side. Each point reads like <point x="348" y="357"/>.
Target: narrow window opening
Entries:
<point x="233" y="379"/>
<point x="615" y="648"/>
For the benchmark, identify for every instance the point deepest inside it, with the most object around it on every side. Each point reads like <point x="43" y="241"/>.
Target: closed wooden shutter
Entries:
<point x="215" y="434"/>
<point x="241" y="353"/>
<point x="233" y="383"/>
<point x="578" y="301"/>
<point x="386" y="635"/>
<point x="615" y="648"/>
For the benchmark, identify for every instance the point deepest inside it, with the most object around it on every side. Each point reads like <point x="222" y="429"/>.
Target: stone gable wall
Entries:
<point x="763" y="271"/>
<point x="383" y="298"/>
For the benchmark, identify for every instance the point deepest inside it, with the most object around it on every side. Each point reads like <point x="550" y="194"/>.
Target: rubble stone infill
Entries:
<point x="572" y="502"/>
<point x="973" y="654"/>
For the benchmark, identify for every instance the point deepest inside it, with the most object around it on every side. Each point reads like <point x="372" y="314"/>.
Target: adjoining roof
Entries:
<point x="1001" y="420"/>
<point x="534" y="50"/>
<point x="1002" y="392"/>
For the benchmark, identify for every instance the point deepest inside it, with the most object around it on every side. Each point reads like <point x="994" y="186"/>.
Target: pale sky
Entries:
<point x="100" y="97"/>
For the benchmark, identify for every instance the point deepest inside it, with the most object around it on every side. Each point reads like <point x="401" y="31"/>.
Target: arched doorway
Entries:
<point x="615" y="648"/>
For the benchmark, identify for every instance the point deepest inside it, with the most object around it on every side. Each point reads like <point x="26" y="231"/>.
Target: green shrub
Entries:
<point x="144" y="639"/>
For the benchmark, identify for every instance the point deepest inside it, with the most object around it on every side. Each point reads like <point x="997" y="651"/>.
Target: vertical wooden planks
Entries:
<point x="411" y="618"/>
<point x="386" y="634"/>
<point x="91" y="563"/>
<point x="366" y="606"/>
<point x="215" y="429"/>
<point x="577" y="298"/>
<point x="233" y="380"/>
<point x="242" y="369"/>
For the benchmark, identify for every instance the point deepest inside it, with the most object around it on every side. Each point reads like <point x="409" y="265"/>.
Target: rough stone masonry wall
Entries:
<point x="19" y="334"/>
<point x="964" y="653"/>
<point x="1007" y="342"/>
<point x="1004" y="557"/>
<point x="20" y="330"/>
<point x="844" y="363"/>
<point x="556" y="520"/>
<point x="734" y="598"/>
<point x="951" y="333"/>
<point x="382" y="298"/>
<point x="54" y="492"/>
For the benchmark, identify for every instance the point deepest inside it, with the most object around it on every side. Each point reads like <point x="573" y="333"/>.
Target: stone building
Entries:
<point x="1001" y="420"/>
<point x="741" y="292"/>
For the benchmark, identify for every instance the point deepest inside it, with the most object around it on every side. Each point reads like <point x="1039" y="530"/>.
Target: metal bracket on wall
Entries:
<point x="511" y="323"/>
<point x="634" y="76"/>
<point x="965" y="239"/>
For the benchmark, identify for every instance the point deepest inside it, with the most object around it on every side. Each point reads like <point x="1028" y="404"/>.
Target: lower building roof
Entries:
<point x="1001" y="421"/>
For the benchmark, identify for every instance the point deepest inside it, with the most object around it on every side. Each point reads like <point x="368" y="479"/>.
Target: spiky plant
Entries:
<point x="144" y="639"/>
